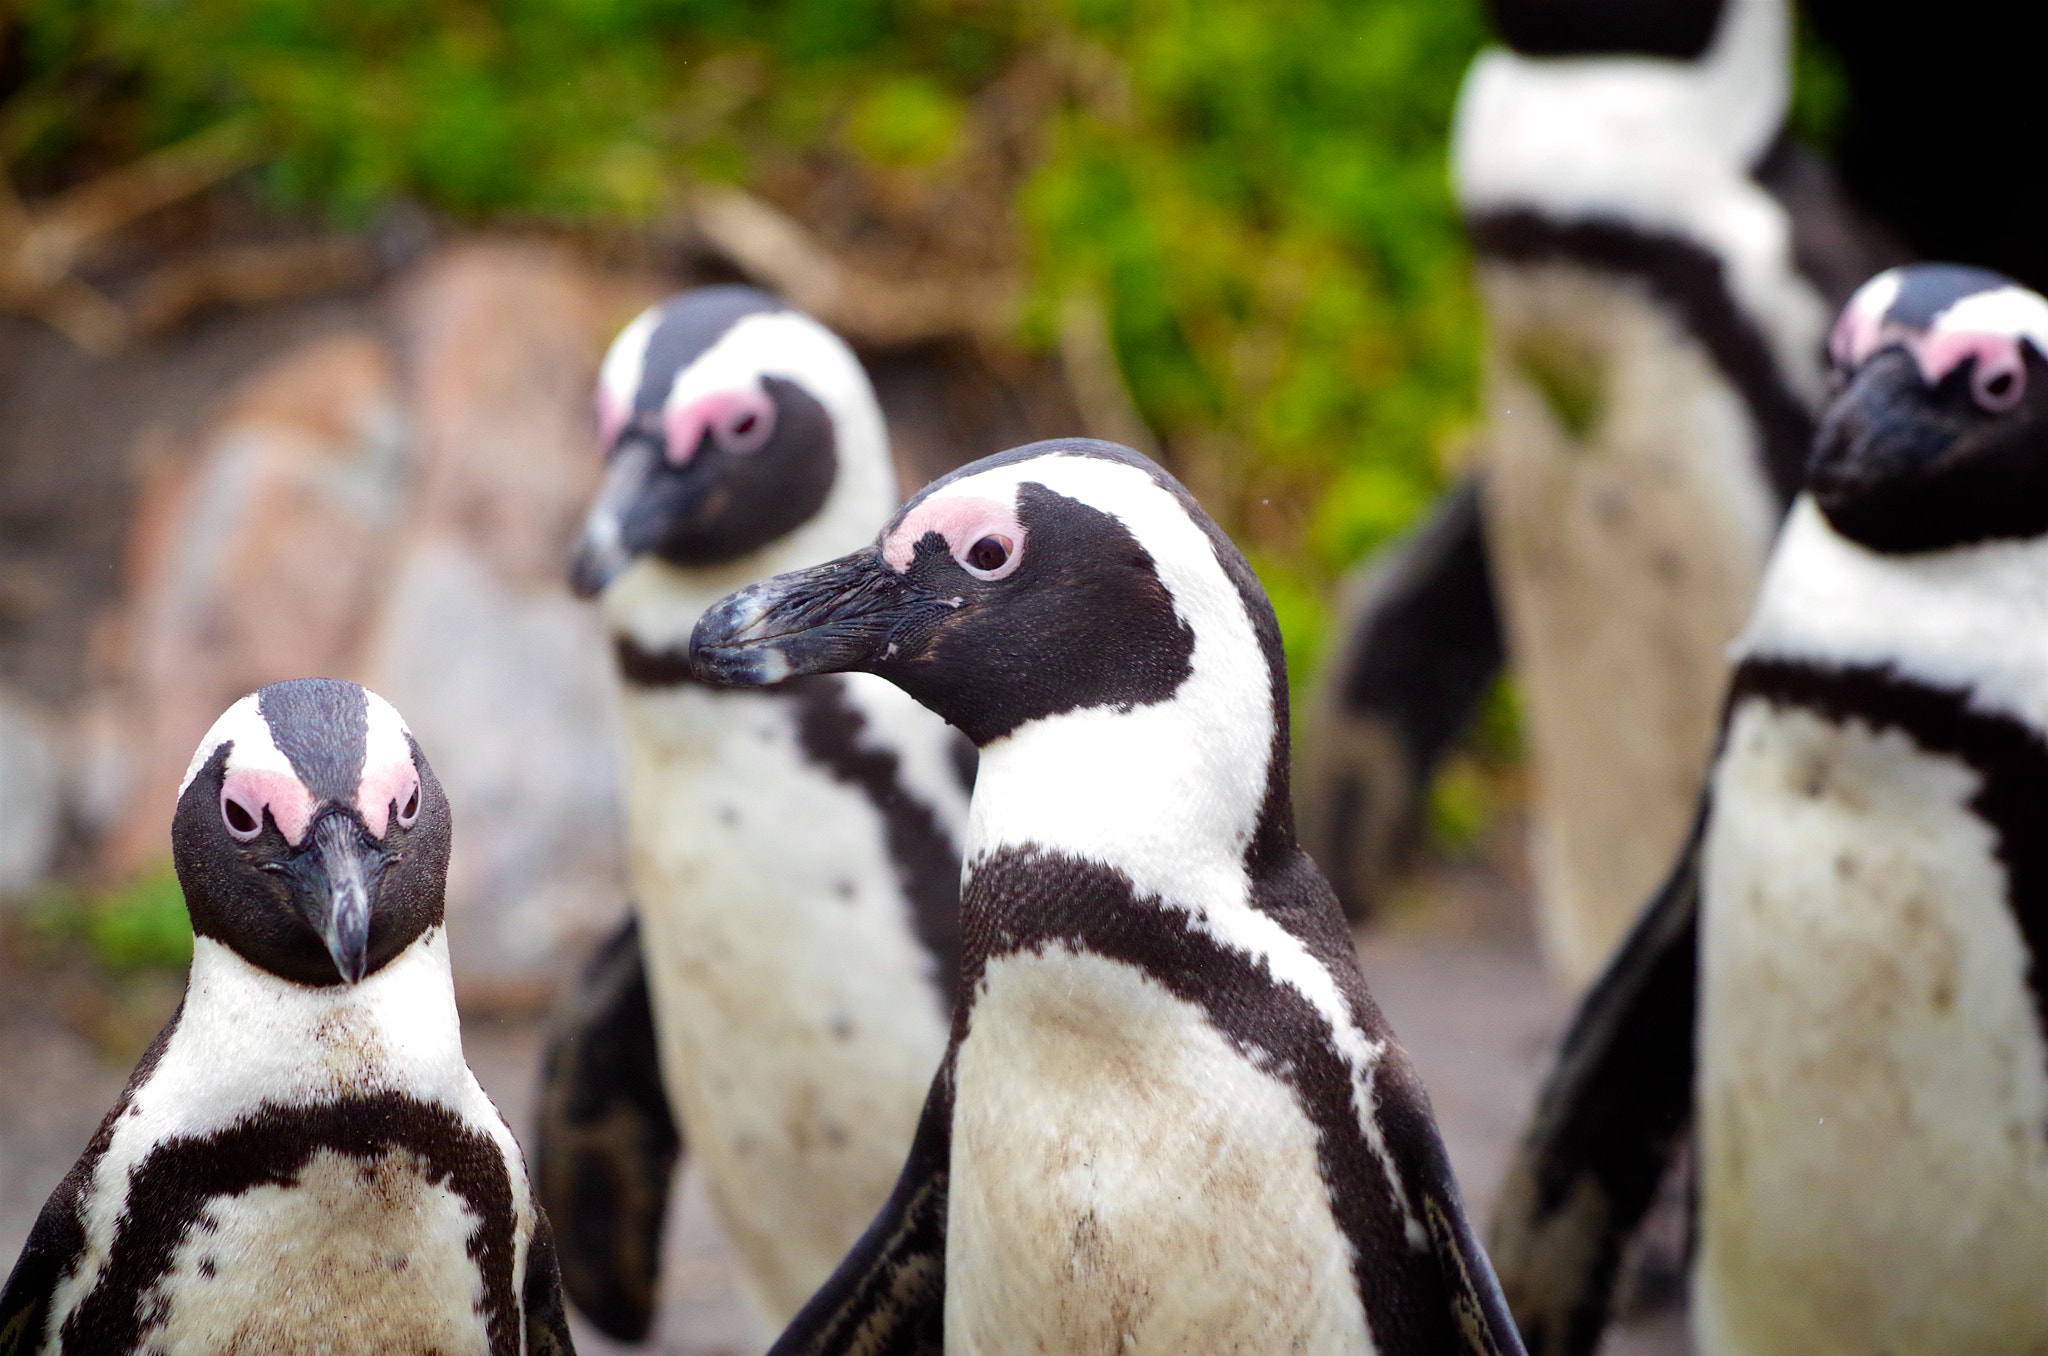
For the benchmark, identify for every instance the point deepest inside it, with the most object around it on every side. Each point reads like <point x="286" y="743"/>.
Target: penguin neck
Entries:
<point x="1969" y="619"/>
<point x="268" y="1039"/>
<point x="1169" y="794"/>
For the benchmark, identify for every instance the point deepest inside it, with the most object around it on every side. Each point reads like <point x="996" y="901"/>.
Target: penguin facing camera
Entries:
<point x="794" y="852"/>
<point x="302" y="1161"/>
<point x="1842" y="986"/>
<point x="1658" y="262"/>
<point x="1170" y="1118"/>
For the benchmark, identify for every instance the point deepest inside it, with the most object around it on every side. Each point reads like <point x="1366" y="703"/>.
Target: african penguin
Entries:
<point x="1170" y="1117"/>
<point x="794" y="853"/>
<point x="302" y="1161"/>
<point x="1845" y="982"/>
<point x="1657" y="263"/>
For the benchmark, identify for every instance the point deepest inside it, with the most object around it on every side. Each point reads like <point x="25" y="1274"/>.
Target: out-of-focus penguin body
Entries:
<point x="302" y="1161"/>
<point x="1867" y="901"/>
<point x="1654" y="355"/>
<point x="795" y="851"/>
<point x="1657" y="264"/>
<point x="1170" y="1119"/>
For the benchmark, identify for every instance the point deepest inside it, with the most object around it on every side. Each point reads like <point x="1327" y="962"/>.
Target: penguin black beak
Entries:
<point x="336" y="888"/>
<point x="849" y="614"/>
<point x="619" y="526"/>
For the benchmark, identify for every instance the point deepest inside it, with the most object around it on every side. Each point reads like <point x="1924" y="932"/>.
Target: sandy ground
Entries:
<point x="1460" y="982"/>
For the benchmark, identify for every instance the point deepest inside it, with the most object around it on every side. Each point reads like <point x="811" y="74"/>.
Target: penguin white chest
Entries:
<point x="1123" y="1180"/>
<point x="351" y="1258"/>
<point x="1873" y="1083"/>
<point x="1625" y="506"/>
<point x="798" y="1018"/>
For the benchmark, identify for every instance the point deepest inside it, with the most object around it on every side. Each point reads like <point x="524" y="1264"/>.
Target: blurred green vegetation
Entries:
<point x="1820" y="90"/>
<point x="141" y="925"/>
<point x="1256" y="195"/>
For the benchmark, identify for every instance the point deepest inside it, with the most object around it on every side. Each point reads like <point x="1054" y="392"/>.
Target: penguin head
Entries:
<point x="1058" y="577"/>
<point x="731" y="424"/>
<point x="311" y="837"/>
<point x="1938" y="433"/>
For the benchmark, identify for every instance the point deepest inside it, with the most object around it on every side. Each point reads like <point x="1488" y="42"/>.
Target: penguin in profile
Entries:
<point x="302" y="1161"/>
<point x="1658" y="263"/>
<point x="1170" y="1118"/>
<point x="794" y="853"/>
<point x="1843" y="986"/>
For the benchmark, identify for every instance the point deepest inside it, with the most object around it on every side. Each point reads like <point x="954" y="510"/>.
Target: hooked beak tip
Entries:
<point x="737" y="666"/>
<point x="340" y="912"/>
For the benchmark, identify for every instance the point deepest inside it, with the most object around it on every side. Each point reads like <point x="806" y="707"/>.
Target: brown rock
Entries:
<point x="256" y="557"/>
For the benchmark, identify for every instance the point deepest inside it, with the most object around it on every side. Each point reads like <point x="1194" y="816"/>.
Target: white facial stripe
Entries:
<point x="782" y="344"/>
<point x="254" y="749"/>
<point x="2012" y="312"/>
<point x="1861" y="329"/>
<point x="1972" y="618"/>
<point x="388" y="771"/>
<point x="618" y="380"/>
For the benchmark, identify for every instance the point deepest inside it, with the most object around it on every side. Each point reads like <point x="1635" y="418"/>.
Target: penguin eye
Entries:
<point x="410" y="811"/>
<point x="744" y="428"/>
<point x="1998" y="387"/>
<point x="242" y="822"/>
<point x="989" y="554"/>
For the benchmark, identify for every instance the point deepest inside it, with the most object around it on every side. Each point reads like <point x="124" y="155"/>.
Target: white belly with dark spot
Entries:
<point x="1124" y="1182"/>
<point x="1628" y="522"/>
<point x="1873" y="1085"/>
<point x="798" y="1024"/>
<point x="355" y="1259"/>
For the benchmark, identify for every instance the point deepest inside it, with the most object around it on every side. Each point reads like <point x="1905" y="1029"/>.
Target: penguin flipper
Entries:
<point x="1612" y="1111"/>
<point x="888" y="1297"/>
<point x="606" y="1150"/>
<point x="53" y="1248"/>
<point x="1422" y="640"/>
<point x="547" y="1319"/>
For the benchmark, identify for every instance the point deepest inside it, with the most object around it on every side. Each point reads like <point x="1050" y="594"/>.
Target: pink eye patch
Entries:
<point x="246" y="792"/>
<point x="738" y="421"/>
<point x="983" y="536"/>
<point x="1998" y="381"/>
<point x="395" y="784"/>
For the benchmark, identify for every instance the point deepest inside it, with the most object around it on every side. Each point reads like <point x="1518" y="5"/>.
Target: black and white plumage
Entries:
<point x="1863" y="911"/>
<point x="794" y="852"/>
<point x="1658" y="264"/>
<point x="1170" y="1118"/>
<point x="302" y="1161"/>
